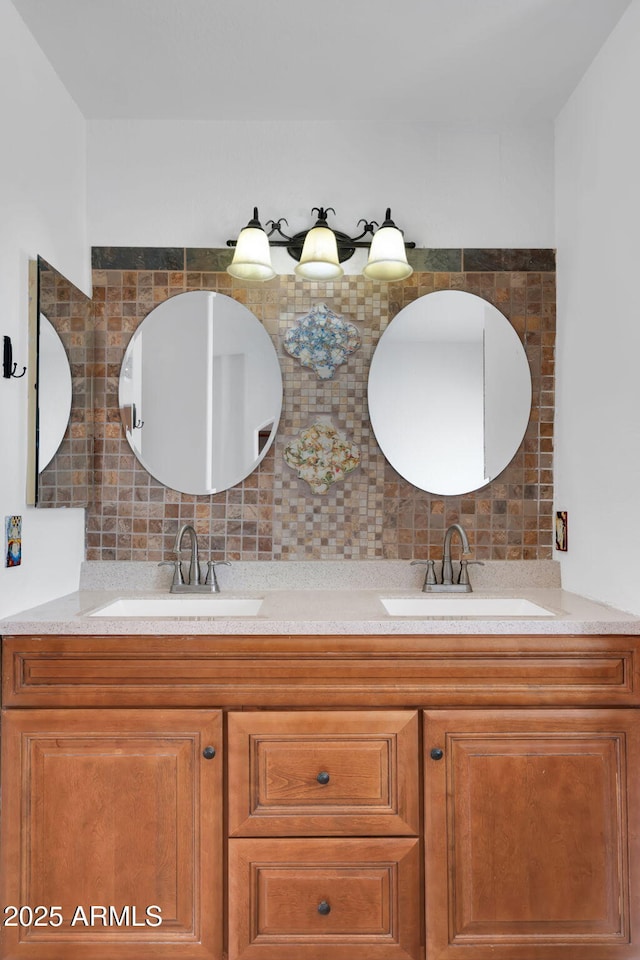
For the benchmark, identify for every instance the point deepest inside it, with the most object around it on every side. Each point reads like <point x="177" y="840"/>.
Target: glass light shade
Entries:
<point x="252" y="257"/>
<point x="319" y="260"/>
<point x="388" y="256"/>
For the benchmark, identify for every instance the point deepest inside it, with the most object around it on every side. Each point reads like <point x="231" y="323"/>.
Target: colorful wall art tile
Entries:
<point x="13" y="530"/>
<point x="322" y="340"/>
<point x="322" y="456"/>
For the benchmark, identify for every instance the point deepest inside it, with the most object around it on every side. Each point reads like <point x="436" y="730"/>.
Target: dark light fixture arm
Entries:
<point x="275" y="228"/>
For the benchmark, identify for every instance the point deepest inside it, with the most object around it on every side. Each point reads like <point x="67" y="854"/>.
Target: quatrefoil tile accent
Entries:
<point x="322" y="455"/>
<point x="322" y="340"/>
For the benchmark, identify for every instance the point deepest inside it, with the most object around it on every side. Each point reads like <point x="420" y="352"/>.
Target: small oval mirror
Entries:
<point x="449" y="392"/>
<point x="200" y="392"/>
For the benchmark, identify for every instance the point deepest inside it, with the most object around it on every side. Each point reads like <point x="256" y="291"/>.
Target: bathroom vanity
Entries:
<point x="400" y="789"/>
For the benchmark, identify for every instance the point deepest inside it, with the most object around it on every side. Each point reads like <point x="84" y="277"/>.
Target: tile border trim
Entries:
<point x="423" y="260"/>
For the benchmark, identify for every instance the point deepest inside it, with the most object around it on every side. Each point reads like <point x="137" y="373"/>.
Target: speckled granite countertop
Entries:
<point x="314" y="598"/>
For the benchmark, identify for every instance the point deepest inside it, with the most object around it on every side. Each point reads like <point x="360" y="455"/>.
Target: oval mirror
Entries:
<point x="54" y="392"/>
<point x="200" y="392"/>
<point x="449" y="392"/>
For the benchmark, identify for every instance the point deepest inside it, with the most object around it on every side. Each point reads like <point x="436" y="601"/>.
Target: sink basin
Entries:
<point x="181" y="606"/>
<point x="464" y="606"/>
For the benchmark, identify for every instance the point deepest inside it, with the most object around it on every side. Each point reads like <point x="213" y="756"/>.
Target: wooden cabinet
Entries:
<point x="305" y="774"/>
<point x="394" y="798"/>
<point x="113" y="818"/>
<point x="306" y="899"/>
<point x="531" y="834"/>
<point x="323" y="773"/>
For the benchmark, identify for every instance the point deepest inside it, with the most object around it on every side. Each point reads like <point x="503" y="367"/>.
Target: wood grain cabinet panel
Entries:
<point x="320" y="672"/>
<point x="323" y="773"/>
<point x="306" y="899"/>
<point x="531" y="835"/>
<point x="501" y="823"/>
<point x="111" y="809"/>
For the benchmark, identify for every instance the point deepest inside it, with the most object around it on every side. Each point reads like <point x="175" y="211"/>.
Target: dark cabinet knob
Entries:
<point x="324" y="908"/>
<point x="209" y="753"/>
<point x="323" y="777"/>
<point x="437" y="753"/>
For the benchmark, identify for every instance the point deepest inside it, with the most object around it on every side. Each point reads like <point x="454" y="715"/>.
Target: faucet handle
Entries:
<point x="178" y="579"/>
<point x="430" y="577"/>
<point x="463" y="576"/>
<point x="211" y="578"/>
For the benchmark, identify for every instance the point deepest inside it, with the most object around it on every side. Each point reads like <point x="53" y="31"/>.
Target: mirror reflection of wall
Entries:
<point x="449" y="392"/>
<point x="200" y="392"/>
<point x="54" y="392"/>
<point x="60" y="467"/>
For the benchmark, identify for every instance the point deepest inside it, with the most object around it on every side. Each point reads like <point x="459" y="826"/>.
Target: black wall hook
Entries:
<point x="8" y="366"/>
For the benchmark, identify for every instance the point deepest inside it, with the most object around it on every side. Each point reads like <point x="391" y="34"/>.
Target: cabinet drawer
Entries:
<point x="357" y="899"/>
<point x="294" y="773"/>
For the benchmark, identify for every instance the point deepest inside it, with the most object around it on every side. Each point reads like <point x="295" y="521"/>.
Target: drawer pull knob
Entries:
<point x="324" y="908"/>
<point x="437" y="753"/>
<point x="323" y="777"/>
<point x="209" y="753"/>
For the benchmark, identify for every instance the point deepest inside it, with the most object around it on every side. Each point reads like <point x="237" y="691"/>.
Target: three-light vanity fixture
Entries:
<point x="320" y="250"/>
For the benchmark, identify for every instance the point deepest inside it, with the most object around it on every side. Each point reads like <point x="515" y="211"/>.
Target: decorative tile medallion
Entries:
<point x="322" y="340"/>
<point x="321" y="455"/>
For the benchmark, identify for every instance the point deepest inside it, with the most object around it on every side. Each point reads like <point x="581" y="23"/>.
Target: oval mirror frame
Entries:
<point x="200" y="392"/>
<point x="449" y="392"/>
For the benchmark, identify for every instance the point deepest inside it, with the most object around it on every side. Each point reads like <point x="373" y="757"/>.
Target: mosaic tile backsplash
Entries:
<point x="372" y="513"/>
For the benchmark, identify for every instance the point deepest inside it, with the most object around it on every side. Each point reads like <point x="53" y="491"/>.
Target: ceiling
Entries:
<point x="364" y="60"/>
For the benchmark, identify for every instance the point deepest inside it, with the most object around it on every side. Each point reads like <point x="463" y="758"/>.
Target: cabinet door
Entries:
<point x="112" y="820"/>
<point x="531" y="834"/>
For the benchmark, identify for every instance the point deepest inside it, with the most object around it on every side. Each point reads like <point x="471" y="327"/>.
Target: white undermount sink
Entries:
<point x="462" y="606"/>
<point x="180" y="605"/>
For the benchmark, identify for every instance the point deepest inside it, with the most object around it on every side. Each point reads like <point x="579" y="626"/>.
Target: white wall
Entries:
<point x="176" y="183"/>
<point x="194" y="183"/>
<point x="43" y="204"/>
<point x="597" y="463"/>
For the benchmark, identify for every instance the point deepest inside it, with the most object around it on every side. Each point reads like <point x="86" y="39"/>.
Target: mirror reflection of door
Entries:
<point x="449" y="392"/>
<point x="199" y="379"/>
